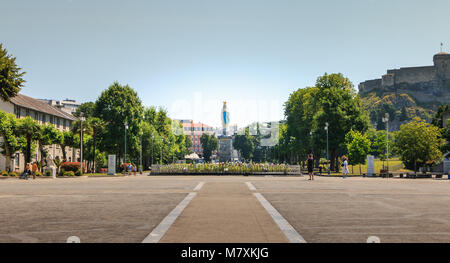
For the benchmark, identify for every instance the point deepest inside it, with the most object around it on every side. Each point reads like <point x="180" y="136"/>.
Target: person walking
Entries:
<point x="310" y="165"/>
<point x="34" y="169"/>
<point x="344" y="166"/>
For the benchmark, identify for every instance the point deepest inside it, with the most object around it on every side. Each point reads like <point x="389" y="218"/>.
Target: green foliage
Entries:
<point x="116" y="106"/>
<point x="11" y="142"/>
<point x="11" y="80"/>
<point x="437" y="118"/>
<point x="209" y="144"/>
<point x="86" y="109"/>
<point x="418" y="143"/>
<point x="358" y="146"/>
<point x="29" y="129"/>
<point x="334" y="101"/>
<point x="244" y="143"/>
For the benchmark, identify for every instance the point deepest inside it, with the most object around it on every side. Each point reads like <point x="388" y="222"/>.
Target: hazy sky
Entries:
<point x="190" y="55"/>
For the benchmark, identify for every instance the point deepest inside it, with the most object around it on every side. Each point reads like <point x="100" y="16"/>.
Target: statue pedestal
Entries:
<point x="225" y="148"/>
<point x="53" y="172"/>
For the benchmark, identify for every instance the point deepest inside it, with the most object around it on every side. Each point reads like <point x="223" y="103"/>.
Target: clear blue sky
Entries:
<point x="252" y="53"/>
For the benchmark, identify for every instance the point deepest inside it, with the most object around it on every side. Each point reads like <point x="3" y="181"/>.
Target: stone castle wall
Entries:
<point x="426" y="84"/>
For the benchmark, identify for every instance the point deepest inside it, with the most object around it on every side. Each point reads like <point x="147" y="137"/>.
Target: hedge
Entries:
<point x="72" y="166"/>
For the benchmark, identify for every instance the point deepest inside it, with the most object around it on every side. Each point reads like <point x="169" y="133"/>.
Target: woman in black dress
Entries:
<point x="310" y="164"/>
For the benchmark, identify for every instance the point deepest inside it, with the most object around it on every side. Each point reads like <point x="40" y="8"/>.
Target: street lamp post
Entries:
<point x="140" y="161"/>
<point x="328" y="157"/>
<point x="386" y="120"/>
<point x="152" y="151"/>
<point x="81" y="142"/>
<point x="125" y="155"/>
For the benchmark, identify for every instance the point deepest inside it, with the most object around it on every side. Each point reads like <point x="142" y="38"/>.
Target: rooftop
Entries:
<point x="37" y="105"/>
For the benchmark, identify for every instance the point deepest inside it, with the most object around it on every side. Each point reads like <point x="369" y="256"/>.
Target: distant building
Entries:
<point x="428" y="84"/>
<point x="66" y="105"/>
<point x="195" y="131"/>
<point x="43" y="113"/>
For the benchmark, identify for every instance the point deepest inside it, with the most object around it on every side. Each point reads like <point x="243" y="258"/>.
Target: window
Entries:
<point x="44" y="119"/>
<point x="27" y="112"/>
<point x="64" y="124"/>
<point x="17" y="111"/>
<point x="36" y="116"/>
<point x="57" y="122"/>
<point x="52" y="120"/>
<point x="17" y="159"/>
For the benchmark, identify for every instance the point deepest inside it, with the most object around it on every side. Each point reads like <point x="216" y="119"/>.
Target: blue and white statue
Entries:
<point x="225" y="118"/>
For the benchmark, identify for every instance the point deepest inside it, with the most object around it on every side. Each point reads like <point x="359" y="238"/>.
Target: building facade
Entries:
<point x="195" y="131"/>
<point x="44" y="113"/>
<point x="66" y="105"/>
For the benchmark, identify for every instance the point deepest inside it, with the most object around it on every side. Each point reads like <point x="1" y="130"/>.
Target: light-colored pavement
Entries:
<point x="224" y="212"/>
<point x="127" y="209"/>
<point x="352" y="209"/>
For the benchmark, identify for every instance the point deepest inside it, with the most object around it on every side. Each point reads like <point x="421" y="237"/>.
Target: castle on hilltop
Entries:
<point x="428" y="84"/>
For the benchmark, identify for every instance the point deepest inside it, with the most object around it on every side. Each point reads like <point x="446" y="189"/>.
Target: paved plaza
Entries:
<point x="224" y="209"/>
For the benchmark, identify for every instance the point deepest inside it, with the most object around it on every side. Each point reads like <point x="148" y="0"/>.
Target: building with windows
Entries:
<point x="195" y="131"/>
<point x="66" y="105"/>
<point x="43" y="113"/>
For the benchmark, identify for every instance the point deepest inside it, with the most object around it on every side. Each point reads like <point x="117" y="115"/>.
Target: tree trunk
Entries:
<point x="93" y="154"/>
<point x="27" y="152"/>
<point x="7" y="156"/>
<point x="63" y="150"/>
<point x="359" y="169"/>
<point x="333" y="153"/>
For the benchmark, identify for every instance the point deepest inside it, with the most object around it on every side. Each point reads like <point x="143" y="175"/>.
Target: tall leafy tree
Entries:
<point x="29" y="129"/>
<point x="209" y="144"/>
<point x="11" y="80"/>
<point x="358" y="146"/>
<point x="86" y="109"/>
<point x="97" y="127"/>
<point x="333" y="100"/>
<point x="47" y="135"/>
<point x="10" y="143"/>
<point x="244" y="144"/>
<point x="418" y="143"/>
<point x="117" y="105"/>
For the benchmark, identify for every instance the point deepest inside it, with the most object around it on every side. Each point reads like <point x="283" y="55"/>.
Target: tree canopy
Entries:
<point x="11" y="80"/>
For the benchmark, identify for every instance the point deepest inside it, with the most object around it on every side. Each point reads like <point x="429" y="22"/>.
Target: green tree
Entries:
<point x="47" y="135"/>
<point x="11" y="80"/>
<point x="96" y="129"/>
<point x="10" y="143"/>
<point x="28" y="128"/>
<point x="358" y="146"/>
<point x="437" y="118"/>
<point x="333" y="100"/>
<point x="86" y="109"/>
<point x="418" y="144"/>
<point x="116" y="106"/>
<point x="244" y="144"/>
<point x="66" y="139"/>
<point x="209" y="144"/>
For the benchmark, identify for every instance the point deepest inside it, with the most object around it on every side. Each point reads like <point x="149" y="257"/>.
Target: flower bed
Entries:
<point x="223" y="168"/>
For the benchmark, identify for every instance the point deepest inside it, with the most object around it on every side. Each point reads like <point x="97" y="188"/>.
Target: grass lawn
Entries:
<point x="395" y="165"/>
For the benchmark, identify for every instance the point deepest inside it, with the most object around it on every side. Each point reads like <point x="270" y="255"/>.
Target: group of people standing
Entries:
<point x="30" y="169"/>
<point x="310" y="166"/>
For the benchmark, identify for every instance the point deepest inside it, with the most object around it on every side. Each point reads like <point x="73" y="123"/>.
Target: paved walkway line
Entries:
<point x="199" y="186"/>
<point x="167" y="222"/>
<point x="283" y="224"/>
<point x="250" y="186"/>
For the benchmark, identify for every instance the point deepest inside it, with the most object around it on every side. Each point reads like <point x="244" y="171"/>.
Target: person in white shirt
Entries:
<point x="344" y="166"/>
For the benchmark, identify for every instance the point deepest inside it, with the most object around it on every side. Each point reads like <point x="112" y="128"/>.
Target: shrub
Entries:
<point x="72" y="166"/>
<point x="13" y="174"/>
<point x="38" y="173"/>
<point x="47" y="173"/>
<point x="4" y="173"/>
<point x="69" y="173"/>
